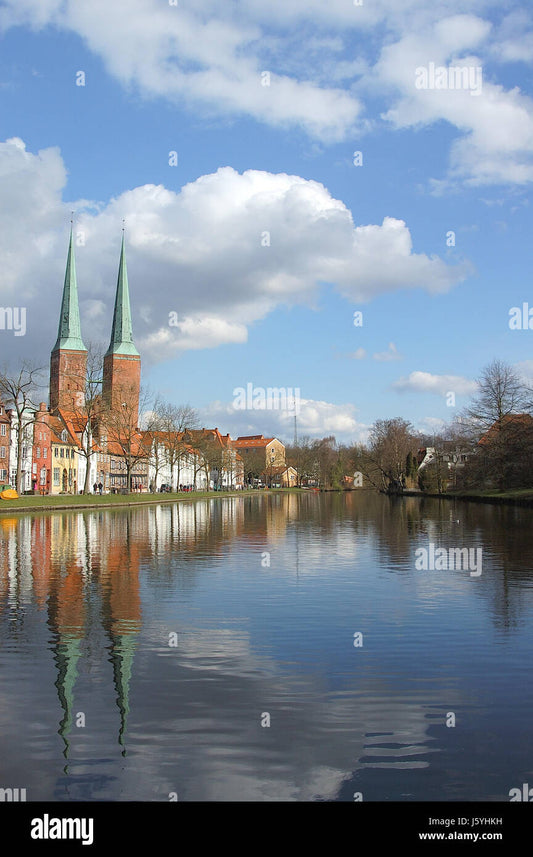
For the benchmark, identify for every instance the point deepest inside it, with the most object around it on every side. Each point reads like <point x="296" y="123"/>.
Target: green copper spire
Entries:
<point x="69" y="332"/>
<point x="121" y="333"/>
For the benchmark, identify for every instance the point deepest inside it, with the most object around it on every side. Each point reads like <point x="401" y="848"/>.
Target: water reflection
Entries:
<point x="88" y="601"/>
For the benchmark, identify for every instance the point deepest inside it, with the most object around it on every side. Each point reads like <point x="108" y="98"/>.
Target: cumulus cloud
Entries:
<point x="315" y="419"/>
<point x="425" y="382"/>
<point x="200" y="268"/>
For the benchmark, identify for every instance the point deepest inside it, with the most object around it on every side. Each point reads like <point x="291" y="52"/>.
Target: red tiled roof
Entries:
<point x="518" y="421"/>
<point x="253" y="442"/>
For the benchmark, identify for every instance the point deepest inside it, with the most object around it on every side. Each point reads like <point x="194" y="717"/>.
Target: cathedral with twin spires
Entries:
<point x="68" y="361"/>
<point x="84" y="431"/>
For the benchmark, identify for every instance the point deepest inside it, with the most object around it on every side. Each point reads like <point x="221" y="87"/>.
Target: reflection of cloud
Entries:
<point x="221" y="685"/>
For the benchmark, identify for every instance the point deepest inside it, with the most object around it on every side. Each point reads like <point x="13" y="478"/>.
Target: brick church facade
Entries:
<point x="102" y="428"/>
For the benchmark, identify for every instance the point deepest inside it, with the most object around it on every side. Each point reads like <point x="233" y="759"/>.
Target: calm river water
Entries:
<point x="282" y="647"/>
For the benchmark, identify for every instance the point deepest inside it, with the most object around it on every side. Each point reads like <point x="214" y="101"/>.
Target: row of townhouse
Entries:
<point x="54" y="457"/>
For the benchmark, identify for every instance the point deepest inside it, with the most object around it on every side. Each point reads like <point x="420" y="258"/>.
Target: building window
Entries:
<point x="2" y="452"/>
<point x="57" y="471"/>
<point x="3" y="430"/>
<point x="45" y="452"/>
<point x="62" y="453"/>
<point x="56" y="453"/>
<point x="38" y="452"/>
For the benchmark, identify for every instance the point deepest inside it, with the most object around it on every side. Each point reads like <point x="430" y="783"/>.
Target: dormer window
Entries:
<point x="64" y="436"/>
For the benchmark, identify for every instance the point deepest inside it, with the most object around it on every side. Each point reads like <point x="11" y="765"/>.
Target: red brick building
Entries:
<point x="5" y="440"/>
<point x="118" y="405"/>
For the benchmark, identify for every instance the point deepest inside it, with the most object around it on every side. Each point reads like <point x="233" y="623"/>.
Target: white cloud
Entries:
<point x="525" y="370"/>
<point x="495" y="126"/>
<point x="430" y="425"/>
<point x="315" y="419"/>
<point x="360" y="354"/>
<point x="390" y="354"/>
<point x="425" y="382"/>
<point x="210" y="56"/>
<point x="197" y="253"/>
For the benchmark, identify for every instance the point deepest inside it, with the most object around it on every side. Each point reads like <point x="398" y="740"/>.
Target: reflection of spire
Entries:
<point x="122" y="654"/>
<point x="121" y="615"/>
<point x="67" y="654"/>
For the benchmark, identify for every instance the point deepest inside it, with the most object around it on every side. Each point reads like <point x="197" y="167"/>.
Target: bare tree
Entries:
<point x="211" y="459"/>
<point x="499" y="419"/>
<point x="501" y="392"/>
<point x="174" y="421"/>
<point x="384" y="460"/>
<point x="303" y="458"/>
<point x="19" y="392"/>
<point x="85" y="411"/>
<point x="254" y="462"/>
<point x="121" y="432"/>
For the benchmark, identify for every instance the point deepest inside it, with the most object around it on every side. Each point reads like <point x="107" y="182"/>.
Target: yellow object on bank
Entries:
<point x="9" y="494"/>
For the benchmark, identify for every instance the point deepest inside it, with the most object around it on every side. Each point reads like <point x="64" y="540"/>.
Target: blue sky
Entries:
<point x="278" y="159"/>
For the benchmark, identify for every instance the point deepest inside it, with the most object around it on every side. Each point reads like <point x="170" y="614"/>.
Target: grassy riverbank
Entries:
<point x="59" y="502"/>
<point x="517" y="497"/>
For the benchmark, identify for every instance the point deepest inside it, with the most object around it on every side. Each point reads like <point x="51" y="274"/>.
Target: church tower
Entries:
<point x="68" y="361"/>
<point x="122" y="363"/>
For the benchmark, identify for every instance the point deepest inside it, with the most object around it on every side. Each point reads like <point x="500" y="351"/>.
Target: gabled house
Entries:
<point x="262" y="455"/>
<point x="65" y="459"/>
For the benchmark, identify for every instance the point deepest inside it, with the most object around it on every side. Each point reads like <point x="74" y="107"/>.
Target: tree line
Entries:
<point x="489" y="444"/>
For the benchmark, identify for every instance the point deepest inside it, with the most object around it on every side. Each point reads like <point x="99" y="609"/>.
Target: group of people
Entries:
<point x="98" y="488"/>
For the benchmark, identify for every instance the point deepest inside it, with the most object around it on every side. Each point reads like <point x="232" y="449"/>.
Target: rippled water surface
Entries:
<point x="266" y="648"/>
